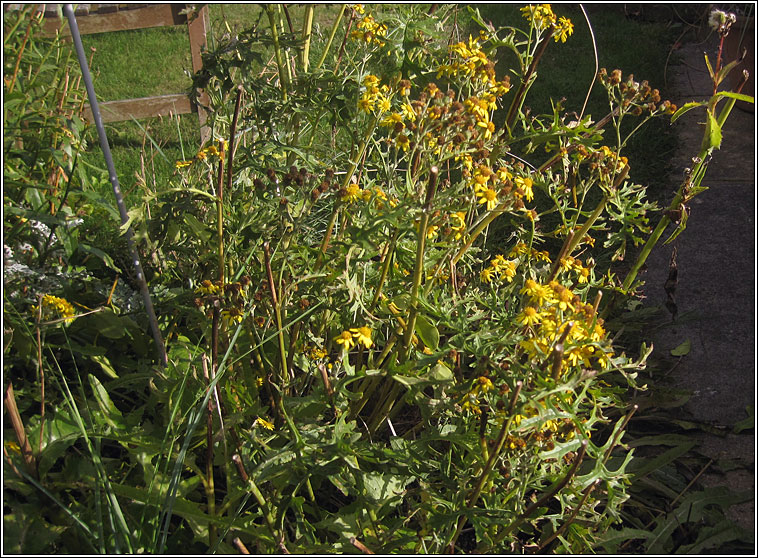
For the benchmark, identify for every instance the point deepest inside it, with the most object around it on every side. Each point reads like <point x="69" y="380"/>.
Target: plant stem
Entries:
<point x="280" y="63"/>
<point x="418" y="272"/>
<point x="210" y="491"/>
<point x="518" y="99"/>
<point x="385" y="269"/>
<point x="491" y="216"/>
<point x="333" y="32"/>
<point x="353" y="165"/>
<point x="573" y="515"/>
<point x="18" y="428"/>
<point x="307" y="28"/>
<point x="267" y="516"/>
<point x="545" y="497"/>
<point x="476" y="492"/>
<point x="284" y="373"/>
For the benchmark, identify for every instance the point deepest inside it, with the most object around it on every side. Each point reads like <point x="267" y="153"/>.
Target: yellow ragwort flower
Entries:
<point x="353" y="193"/>
<point x="55" y="307"/>
<point x="263" y="423"/>
<point x="528" y="316"/>
<point x="346" y="340"/>
<point x="363" y="336"/>
<point x="488" y="196"/>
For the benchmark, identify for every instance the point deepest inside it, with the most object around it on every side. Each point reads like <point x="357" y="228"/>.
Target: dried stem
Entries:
<point x="518" y="99"/>
<point x="210" y="491"/>
<point x="573" y="515"/>
<point x="476" y="492"/>
<point x="360" y="546"/>
<point x="18" y="428"/>
<point x="41" y="377"/>
<point x="558" y="351"/>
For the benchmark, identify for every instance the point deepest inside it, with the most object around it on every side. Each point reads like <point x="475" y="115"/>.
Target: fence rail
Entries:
<point x="105" y="18"/>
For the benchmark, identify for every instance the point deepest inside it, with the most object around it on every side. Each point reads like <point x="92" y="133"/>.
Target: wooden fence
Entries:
<point x="104" y="18"/>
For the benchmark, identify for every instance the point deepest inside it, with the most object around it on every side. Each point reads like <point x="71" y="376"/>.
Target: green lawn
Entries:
<point x="156" y="61"/>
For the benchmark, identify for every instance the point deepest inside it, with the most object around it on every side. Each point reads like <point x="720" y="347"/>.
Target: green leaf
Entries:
<point x="683" y="349"/>
<point x="381" y="488"/>
<point x="427" y="332"/>
<point x="712" y="138"/>
<point x="611" y="539"/>
<point x="738" y="96"/>
<point x="561" y="449"/>
<point x="693" y="508"/>
<point x="61" y="431"/>
<point x="746" y="424"/>
<point x="710" y="68"/>
<point x="642" y="467"/>
<point x="106" y="323"/>
<point x="107" y="260"/>
<point x="713" y="537"/>
<point x="110" y="412"/>
<point x="25" y="532"/>
<point x="106" y="365"/>
<point x="685" y="108"/>
<point x="441" y="372"/>
<point x="197" y="227"/>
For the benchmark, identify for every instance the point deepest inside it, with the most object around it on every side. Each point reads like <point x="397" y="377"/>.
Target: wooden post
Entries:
<point x="104" y="18"/>
<point x="197" y="28"/>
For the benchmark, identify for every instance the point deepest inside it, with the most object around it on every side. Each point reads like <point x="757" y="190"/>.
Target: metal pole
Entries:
<point x="160" y="347"/>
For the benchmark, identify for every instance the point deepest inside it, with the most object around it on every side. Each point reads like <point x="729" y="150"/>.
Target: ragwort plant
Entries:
<point x="430" y="391"/>
<point x="355" y="362"/>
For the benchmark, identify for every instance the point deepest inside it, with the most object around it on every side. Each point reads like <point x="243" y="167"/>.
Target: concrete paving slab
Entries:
<point x="715" y="291"/>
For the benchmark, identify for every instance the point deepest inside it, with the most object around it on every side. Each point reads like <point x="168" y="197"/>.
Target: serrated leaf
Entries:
<point x="712" y="137"/>
<point x="683" y="349"/>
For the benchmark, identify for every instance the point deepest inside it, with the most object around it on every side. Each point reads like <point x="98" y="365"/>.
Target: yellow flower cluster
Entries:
<point x="548" y="431"/>
<point x="458" y="223"/>
<point x="541" y="17"/>
<point x="470" y="60"/>
<point x="499" y="268"/>
<point x="612" y="160"/>
<point x="263" y="423"/>
<point x="523" y="187"/>
<point x="375" y="96"/>
<point x="358" y="335"/>
<point x="549" y="310"/>
<point x="203" y="154"/>
<point x="369" y="31"/>
<point x="470" y="401"/>
<point x="208" y="287"/>
<point x="521" y="249"/>
<point x="485" y="181"/>
<point x="55" y="307"/>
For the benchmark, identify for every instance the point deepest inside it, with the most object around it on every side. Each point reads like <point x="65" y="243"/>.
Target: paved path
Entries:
<point x="715" y="293"/>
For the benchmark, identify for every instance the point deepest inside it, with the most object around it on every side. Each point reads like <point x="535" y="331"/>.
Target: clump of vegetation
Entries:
<point x="354" y="360"/>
